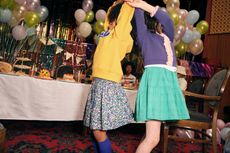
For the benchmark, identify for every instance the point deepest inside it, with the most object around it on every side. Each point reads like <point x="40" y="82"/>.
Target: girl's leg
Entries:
<point x="104" y="144"/>
<point x="152" y="137"/>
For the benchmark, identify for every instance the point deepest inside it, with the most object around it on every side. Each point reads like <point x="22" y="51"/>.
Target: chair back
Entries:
<point x="216" y="85"/>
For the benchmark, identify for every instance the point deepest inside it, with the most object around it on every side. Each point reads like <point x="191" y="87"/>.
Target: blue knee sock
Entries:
<point x="95" y="143"/>
<point x="105" y="146"/>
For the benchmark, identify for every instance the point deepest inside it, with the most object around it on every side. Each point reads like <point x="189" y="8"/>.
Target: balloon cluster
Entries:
<point x="85" y="16"/>
<point x="30" y="12"/>
<point x="187" y="37"/>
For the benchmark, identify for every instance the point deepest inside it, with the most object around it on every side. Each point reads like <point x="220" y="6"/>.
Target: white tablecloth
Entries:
<point x="27" y="98"/>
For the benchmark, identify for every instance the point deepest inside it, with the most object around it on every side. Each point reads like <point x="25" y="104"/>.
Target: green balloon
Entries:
<point x="98" y="26"/>
<point x="31" y="18"/>
<point x="7" y="4"/>
<point x="182" y="47"/>
<point x="174" y="17"/>
<point x="202" y="27"/>
<point x="177" y="53"/>
<point x="89" y="16"/>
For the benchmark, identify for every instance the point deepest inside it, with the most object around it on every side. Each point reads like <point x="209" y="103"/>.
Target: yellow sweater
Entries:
<point x="111" y="49"/>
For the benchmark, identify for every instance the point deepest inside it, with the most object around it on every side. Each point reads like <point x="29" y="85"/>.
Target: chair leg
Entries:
<point x="214" y="143"/>
<point x="165" y="142"/>
<point x="203" y="137"/>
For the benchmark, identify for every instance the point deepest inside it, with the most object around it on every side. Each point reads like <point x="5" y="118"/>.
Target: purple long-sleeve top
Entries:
<point x="157" y="49"/>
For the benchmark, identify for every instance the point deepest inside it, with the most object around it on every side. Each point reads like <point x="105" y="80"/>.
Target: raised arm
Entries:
<point x="124" y="27"/>
<point x="162" y="16"/>
<point x="141" y="28"/>
<point x="166" y="23"/>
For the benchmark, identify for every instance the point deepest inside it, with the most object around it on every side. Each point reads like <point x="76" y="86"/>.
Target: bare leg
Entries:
<point x="152" y="137"/>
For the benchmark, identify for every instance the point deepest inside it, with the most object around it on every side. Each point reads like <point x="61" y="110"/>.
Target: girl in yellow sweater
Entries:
<point x="107" y="104"/>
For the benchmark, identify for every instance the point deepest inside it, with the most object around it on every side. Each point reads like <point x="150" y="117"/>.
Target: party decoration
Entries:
<point x="5" y="15"/>
<point x="202" y="27"/>
<point x="177" y="53"/>
<point x="196" y="46"/>
<point x="192" y="17"/>
<point x="182" y="47"/>
<point x="13" y="21"/>
<point x="182" y="14"/>
<point x="19" y="12"/>
<point x="43" y="12"/>
<point x="19" y="32"/>
<point x="31" y="18"/>
<point x="195" y="34"/>
<point x="173" y="4"/>
<point x="85" y="29"/>
<point x="175" y="18"/>
<point x="179" y="32"/>
<point x="79" y="15"/>
<point x="87" y="5"/>
<point x="98" y="26"/>
<point x="220" y="124"/>
<point x="30" y="31"/>
<point x="21" y="2"/>
<point x="7" y="4"/>
<point x="187" y="38"/>
<point x="89" y="16"/>
<point x="100" y="15"/>
<point x="32" y="5"/>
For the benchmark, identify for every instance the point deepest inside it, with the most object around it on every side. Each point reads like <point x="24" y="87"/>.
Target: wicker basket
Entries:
<point x="2" y="139"/>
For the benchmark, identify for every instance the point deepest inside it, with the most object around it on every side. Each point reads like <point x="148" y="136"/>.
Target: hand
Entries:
<point x="135" y="3"/>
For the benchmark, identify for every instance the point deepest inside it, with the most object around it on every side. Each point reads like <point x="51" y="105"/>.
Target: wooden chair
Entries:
<point x="200" y="122"/>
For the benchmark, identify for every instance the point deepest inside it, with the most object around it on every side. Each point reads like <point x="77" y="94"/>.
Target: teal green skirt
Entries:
<point x="160" y="97"/>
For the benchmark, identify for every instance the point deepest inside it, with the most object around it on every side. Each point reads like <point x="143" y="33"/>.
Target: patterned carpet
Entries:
<point x="67" y="137"/>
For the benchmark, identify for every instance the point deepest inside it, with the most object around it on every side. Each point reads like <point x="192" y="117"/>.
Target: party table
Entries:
<point x="28" y="98"/>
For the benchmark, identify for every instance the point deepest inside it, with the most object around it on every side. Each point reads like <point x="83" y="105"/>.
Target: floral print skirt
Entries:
<point x="107" y="106"/>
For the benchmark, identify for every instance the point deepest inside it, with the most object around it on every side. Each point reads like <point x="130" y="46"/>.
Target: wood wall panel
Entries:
<point x="217" y="47"/>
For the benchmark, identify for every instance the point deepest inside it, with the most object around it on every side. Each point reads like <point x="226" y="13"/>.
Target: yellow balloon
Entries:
<point x="98" y="27"/>
<point x="182" y="47"/>
<point x="7" y="4"/>
<point x="173" y="3"/>
<point x="89" y="16"/>
<point x="31" y="18"/>
<point x="19" y="12"/>
<point x="202" y="27"/>
<point x="177" y="53"/>
<point x="174" y="16"/>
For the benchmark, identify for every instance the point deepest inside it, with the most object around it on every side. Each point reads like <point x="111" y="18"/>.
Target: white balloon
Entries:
<point x="195" y="34"/>
<point x="43" y="12"/>
<point x="100" y="15"/>
<point x="85" y="29"/>
<point x="19" y="32"/>
<point x="192" y="17"/>
<point x="87" y="5"/>
<point x="79" y="15"/>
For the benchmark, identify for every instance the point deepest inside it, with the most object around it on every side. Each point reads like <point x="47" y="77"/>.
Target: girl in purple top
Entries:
<point x="159" y="96"/>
